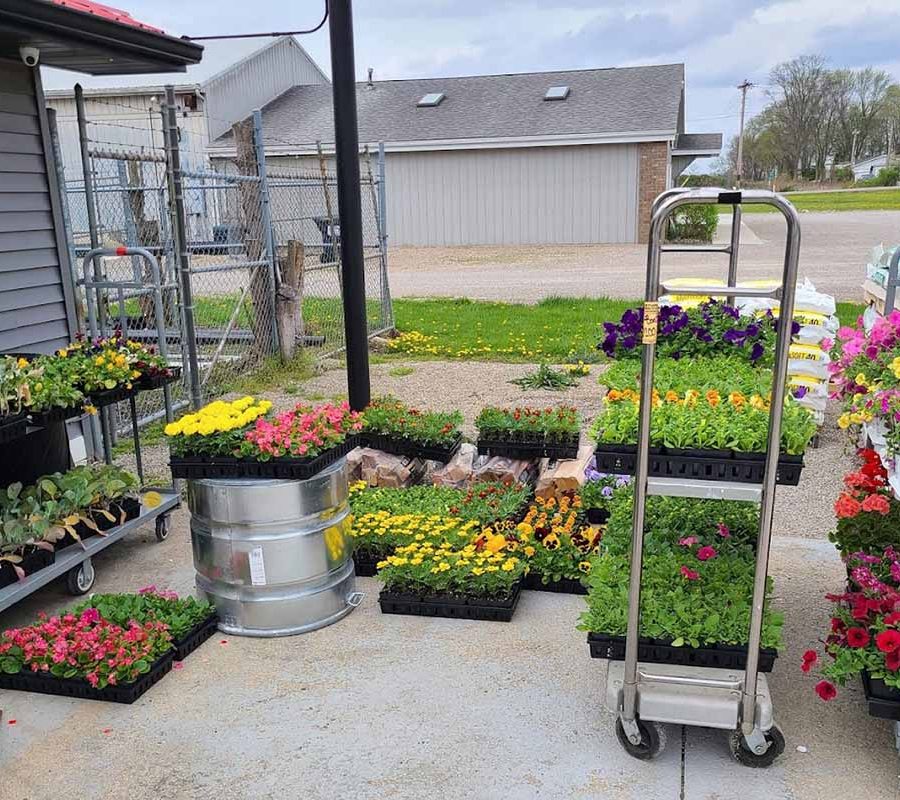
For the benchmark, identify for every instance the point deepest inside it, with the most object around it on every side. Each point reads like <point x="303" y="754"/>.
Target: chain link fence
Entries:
<point x="247" y="222"/>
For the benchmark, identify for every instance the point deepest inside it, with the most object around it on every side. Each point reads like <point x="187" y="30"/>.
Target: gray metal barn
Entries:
<point x="573" y="157"/>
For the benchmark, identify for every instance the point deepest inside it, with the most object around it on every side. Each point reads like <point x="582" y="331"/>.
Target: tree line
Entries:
<point x="817" y="118"/>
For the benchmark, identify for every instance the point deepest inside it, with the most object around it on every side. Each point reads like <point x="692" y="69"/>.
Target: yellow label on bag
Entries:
<point x="807" y="352"/>
<point x="651" y="323"/>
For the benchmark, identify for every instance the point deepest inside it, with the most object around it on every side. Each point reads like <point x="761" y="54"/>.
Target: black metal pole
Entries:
<point x="346" y="137"/>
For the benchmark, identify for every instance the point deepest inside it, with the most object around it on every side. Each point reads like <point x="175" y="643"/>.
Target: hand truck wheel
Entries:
<point x="162" y="528"/>
<point x="742" y="753"/>
<point x="80" y="579"/>
<point x="653" y="740"/>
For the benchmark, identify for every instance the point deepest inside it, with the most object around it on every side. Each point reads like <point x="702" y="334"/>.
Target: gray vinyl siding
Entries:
<point x="35" y="298"/>
<point x="234" y="94"/>
<point x="583" y="194"/>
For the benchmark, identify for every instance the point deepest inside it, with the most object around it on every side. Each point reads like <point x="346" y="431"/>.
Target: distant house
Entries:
<point x="573" y="157"/>
<point x="868" y="167"/>
<point x="129" y="116"/>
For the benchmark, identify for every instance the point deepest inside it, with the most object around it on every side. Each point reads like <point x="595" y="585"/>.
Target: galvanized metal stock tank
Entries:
<point x="274" y="555"/>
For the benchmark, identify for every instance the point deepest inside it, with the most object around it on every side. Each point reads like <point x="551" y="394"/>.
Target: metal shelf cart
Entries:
<point x="644" y="695"/>
<point x="74" y="562"/>
<point x="884" y="297"/>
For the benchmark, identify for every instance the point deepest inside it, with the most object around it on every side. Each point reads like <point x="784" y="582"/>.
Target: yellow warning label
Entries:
<point x="651" y="323"/>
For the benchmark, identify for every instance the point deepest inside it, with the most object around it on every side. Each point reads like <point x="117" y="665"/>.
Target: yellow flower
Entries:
<point x="672" y="397"/>
<point x="529" y="551"/>
<point x="844" y="421"/>
<point x="90" y="408"/>
<point x="861" y="379"/>
<point x="712" y="397"/>
<point x="22" y="362"/>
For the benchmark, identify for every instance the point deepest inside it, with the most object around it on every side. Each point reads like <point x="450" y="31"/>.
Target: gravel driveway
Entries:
<point x="833" y="253"/>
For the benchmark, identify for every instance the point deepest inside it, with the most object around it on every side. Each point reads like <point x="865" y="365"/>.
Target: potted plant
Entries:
<point x="14" y="396"/>
<point x="394" y="427"/>
<point x="529" y="432"/>
<point x="598" y="493"/>
<point x="868" y="514"/>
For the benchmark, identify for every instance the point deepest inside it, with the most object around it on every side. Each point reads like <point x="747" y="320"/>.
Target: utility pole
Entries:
<point x="890" y="144"/>
<point x="853" y="147"/>
<point x="740" y="153"/>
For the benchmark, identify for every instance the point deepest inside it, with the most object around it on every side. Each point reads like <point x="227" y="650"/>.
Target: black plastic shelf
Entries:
<point x="451" y="607"/>
<point x="530" y="450"/>
<point x="147" y="383"/>
<point x="657" y="651"/>
<point x="13" y="426"/>
<point x="705" y="465"/>
<point x="199" y="467"/>
<point x="106" y="397"/>
<point x="196" y="636"/>
<point x="399" y="446"/>
<point x="44" y="683"/>
<point x="535" y="582"/>
<point x="55" y="414"/>
<point x="883" y="700"/>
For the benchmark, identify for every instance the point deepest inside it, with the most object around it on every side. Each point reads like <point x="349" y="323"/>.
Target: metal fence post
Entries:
<point x="268" y="230"/>
<point x="387" y="306"/>
<point x="182" y="257"/>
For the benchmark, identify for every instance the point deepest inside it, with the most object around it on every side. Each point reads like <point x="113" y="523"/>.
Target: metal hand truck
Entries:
<point x="644" y="695"/>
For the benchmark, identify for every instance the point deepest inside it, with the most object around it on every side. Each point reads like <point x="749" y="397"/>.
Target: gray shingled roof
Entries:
<point x="698" y="141"/>
<point x="601" y="102"/>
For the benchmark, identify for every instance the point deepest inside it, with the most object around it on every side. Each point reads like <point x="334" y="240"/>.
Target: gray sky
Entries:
<point x="721" y="42"/>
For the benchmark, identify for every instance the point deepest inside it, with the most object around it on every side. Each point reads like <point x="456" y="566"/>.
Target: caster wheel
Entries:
<point x="80" y="579"/>
<point x="744" y="755"/>
<point x="653" y="740"/>
<point x="162" y="528"/>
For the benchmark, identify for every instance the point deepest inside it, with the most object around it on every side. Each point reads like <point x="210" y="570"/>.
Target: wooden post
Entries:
<point x="252" y="231"/>
<point x="289" y="300"/>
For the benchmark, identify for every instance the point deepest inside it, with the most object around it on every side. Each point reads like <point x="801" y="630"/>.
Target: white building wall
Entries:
<point x="235" y="93"/>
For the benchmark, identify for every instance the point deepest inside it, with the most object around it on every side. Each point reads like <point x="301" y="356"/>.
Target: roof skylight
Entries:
<point x="431" y="100"/>
<point x="557" y="93"/>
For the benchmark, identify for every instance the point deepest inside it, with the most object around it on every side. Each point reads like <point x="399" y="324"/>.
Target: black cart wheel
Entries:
<point x="162" y="528"/>
<point x="741" y="753"/>
<point x="653" y="740"/>
<point x="80" y="579"/>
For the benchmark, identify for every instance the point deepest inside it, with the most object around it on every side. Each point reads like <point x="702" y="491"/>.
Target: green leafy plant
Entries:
<point x="390" y="417"/>
<point x="694" y="223"/>
<point x="54" y="382"/>
<point x="525" y="424"/>
<point x="545" y="377"/>
<point x="14" y="390"/>
<point x="179" y="614"/>
<point x="723" y="373"/>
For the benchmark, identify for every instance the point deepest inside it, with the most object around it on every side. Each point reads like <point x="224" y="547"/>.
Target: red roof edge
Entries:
<point x="107" y="12"/>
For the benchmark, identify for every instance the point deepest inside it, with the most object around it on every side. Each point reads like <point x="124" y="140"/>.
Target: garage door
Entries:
<point x="585" y="194"/>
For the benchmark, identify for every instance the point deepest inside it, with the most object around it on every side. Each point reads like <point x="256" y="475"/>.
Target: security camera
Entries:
<point x="30" y="56"/>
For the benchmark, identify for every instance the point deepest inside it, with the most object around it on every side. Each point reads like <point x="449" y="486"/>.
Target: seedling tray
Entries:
<point x="400" y="446"/>
<point x="44" y="683"/>
<point x="56" y="414"/>
<point x="365" y="565"/>
<point x="597" y="516"/>
<point x="659" y="651"/>
<point x="530" y="450"/>
<point x="196" y="636"/>
<point x="147" y="382"/>
<point x="108" y="397"/>
<point x="199" y="467"/>
<point x="703" y="465"/>
<point x="534" y="582"/>
<point x="13" y="427"/>
<point x="883" y="700"/>
<point x="451" y="607"/>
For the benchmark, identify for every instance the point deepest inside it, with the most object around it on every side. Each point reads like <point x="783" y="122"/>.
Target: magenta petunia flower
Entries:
<point x="706" y="553"/>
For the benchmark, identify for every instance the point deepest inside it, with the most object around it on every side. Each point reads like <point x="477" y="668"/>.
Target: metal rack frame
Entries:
<point x="728" y="699"/>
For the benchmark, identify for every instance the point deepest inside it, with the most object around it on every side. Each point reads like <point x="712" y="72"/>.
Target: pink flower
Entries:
<point x="690" y="574"/>
<point x="90" y="616"/>
<point x="723" y="530"/>
<point x="688" y="541"/>
<point x="826" y="344"/>
<point x="706" y="553"/>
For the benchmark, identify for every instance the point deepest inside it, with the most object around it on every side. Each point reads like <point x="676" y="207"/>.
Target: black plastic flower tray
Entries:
<point x="700" y="465"/>
<point x="399" y="446"/>
<point x="34" y="560"/>
<point x="13" y="427"/>
<point x="131" y="507"/>
<point x="196" y="636"/>
<point x="451" y="607"/>
<point x="883" y="700"/>
<point x="199" y="467"/>
<point x="56" y="414"/>
<point x="44" y="683"/>
<point x="597" y="516"/>
<point x="107" y="397"/>
<point x="530" y="450"/>
<point x="365" y="565"/>
<point x="658" y="651"/>
<point x="148" y="382"/>
<point x="535" y="582"/>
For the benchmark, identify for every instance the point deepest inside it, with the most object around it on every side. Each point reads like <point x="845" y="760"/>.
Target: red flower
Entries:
<point x="893" y="618"/>
<point x="706" y="553"/>
<point x="892" y="661"/>
<point x="689" y="574"/>
<point x="876" y="502"/>
<point x="857" y="637"/>
<point x="888" y="641"/>
<point x="837" y="625"/>
<point x="826" y="690"/>
<point x="810" y="657"/>
<point x="846" y="506"/>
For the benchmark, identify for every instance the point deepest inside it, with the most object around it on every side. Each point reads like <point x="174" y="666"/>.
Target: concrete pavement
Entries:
<point x="833" y="253"/>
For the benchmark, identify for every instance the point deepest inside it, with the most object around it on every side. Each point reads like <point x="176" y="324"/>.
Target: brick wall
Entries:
<point x="653" y="167"/>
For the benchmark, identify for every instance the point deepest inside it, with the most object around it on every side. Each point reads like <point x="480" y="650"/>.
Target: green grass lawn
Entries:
<point x="556" y="330"/>
<point x="875" y="200"/>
